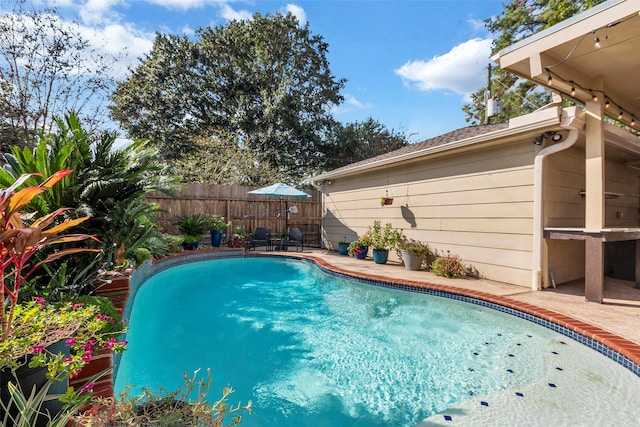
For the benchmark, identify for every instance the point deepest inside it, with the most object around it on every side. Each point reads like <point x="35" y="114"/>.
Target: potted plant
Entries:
<point x="28" y="329"/>
<point x="386" y="201"/>
<point x="448" y="266"/>
<point x="191" y="227"/>
<point x="383" y="238"/>
<point x="412" y="252"/>
<point x="216" y="225"/>
<point x="239" y="238"/>
<point x="343" y="246"/>
<point x="360" y="247"/>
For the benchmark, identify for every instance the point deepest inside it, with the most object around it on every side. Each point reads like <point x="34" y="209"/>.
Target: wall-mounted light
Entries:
<point x="554" y="136"/>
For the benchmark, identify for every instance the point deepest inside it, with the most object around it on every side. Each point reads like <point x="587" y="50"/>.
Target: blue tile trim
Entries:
<point x="589" y="342"/>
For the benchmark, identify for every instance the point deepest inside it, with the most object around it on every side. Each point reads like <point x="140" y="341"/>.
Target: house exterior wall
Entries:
<point x="477" y="204"/>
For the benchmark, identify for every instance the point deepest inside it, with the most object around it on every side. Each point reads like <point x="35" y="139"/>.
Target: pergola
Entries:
<point x="594" y="59"/>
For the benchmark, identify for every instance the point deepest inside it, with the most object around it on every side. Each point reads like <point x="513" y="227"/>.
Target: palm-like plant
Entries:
<point x="107" y="183"/>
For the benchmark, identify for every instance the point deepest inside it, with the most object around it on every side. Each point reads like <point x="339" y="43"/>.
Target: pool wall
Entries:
<point x="618" y="349"/>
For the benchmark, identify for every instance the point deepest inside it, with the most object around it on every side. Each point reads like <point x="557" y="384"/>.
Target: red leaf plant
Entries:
<point x="21" y="236"/>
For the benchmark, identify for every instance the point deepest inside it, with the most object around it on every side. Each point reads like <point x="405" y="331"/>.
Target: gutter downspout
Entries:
<point x="538" y="207"/>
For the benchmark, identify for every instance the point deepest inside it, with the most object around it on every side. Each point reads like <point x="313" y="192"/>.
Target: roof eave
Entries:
<point x="534" y="121"/>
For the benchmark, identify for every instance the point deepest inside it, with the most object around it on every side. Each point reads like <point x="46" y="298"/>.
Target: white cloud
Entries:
<point x="350" y="103"/>
<point x="98" y="11"/>
<point x="298" y="12"/>
<point x="476" y="24"/>
<point x="460" y="70"/>
<point x="123" y="40"/>
<point x="182" y="4"/>
<point x="231" y="14"/>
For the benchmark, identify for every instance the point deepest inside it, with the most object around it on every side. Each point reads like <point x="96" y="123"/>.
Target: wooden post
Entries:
<point x="594" y="269"/>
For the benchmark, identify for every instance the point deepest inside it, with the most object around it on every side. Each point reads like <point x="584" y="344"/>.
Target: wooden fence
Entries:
<point x="242" y="209"/>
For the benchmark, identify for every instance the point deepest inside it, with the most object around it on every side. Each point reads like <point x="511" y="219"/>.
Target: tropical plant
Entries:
<point x="383" y="238"/>
<point x="216" y="223"/>
<point x="175" y="408"/>
<point x="448" y="266"/>
<point x="21" y="237"/>
<point x="107" y="183"/>
<point x="192" y="226"/>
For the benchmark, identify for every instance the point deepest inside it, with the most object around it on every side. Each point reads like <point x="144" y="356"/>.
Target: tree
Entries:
<point x="359" y="141"/>
<point x="265" y="81"/>
<point x="47" y="68"/>
<point x="519" y="20"/>
<point x="219" y="159"/>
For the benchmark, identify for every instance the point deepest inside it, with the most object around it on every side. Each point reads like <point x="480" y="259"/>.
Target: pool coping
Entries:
<point x="596" y="338"/>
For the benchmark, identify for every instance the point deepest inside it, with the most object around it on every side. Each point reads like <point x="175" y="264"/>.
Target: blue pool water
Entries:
<point x="311" y="349"/>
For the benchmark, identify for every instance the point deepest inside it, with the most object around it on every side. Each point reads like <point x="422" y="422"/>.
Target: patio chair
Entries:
<point x="295" y="237"/>
<point x="260" y="237"/>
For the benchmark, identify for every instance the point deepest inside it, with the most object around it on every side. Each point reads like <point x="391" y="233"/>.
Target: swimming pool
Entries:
<point x="309" y="348"/>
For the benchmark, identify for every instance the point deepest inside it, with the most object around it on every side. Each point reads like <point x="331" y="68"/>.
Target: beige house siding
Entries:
<point x="565" y="207"/>
<point x="478" y="205"/>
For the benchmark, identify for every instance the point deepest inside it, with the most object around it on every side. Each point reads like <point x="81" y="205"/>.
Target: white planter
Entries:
<point x="411" y="261"/>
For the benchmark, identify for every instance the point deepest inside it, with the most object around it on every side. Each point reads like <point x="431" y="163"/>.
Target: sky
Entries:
<point x="409" y="64"/>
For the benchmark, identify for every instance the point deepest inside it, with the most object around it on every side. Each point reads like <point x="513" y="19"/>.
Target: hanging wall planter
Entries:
<point x="385" y="201"/>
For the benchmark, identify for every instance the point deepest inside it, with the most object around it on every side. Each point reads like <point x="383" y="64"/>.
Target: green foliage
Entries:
<point x="82" y="328"/>
<point x="176" y="408"/>
<point x="239" y="238"/>
<point x="359" y="141"/>
<point x="30" y="409"/>
<point x="383" y="237"/>
<point x="518" y="20"/>
<point x="107" y="183"/>
<point x="417" y="248"/>
<point x="265" y="80"/>
<point x="216" y="223"/>
<point x="220" y="159"/>
<point x="356" y="246"/>
<point x="140" y="255"/>
<point x="448" y="266"/>
<point x="192" y="225"/>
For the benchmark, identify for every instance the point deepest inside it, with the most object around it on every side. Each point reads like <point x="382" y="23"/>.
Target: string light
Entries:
<point x="630" y="118"/>
<point x="596" y="41"/>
